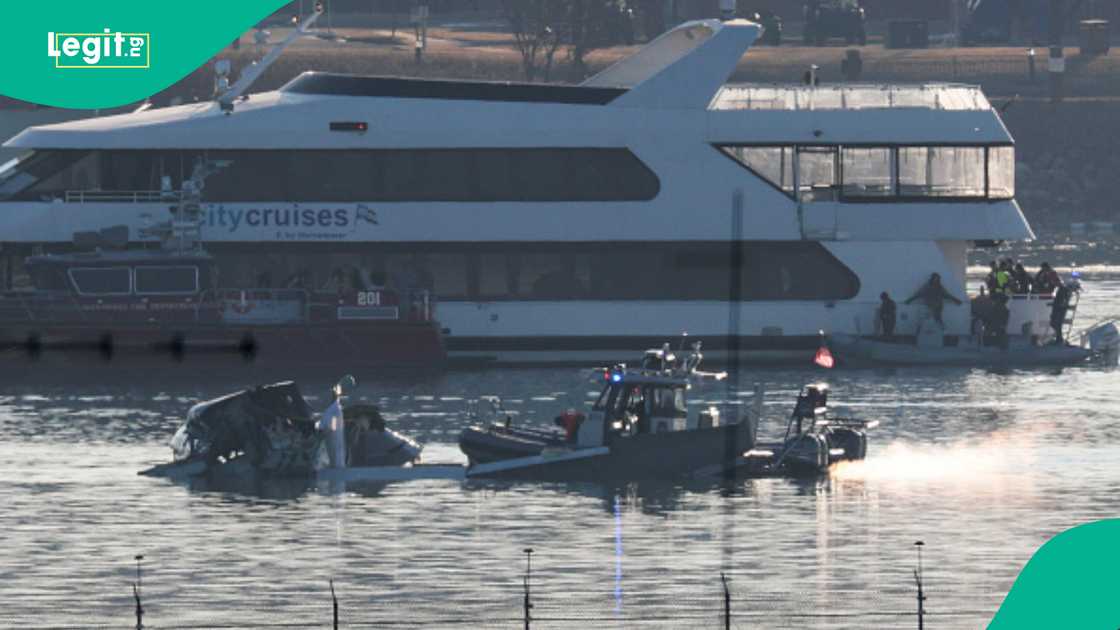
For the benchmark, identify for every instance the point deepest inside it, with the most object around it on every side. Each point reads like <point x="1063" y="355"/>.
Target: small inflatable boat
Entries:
<point x="1100" y="348"/>
<point x="813" y="441"/>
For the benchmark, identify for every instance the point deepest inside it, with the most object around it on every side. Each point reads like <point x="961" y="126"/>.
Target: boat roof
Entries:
<point x="122" y="257"/>
<point x="931" y="96"/>
<point x="638" y="376"/>
<point x="683" y="71"/>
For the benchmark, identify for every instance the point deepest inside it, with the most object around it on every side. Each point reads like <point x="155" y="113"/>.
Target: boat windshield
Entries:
<point x="608" y="399"/>
<point x="668" y="402"/>
<point x="10" y="169"/>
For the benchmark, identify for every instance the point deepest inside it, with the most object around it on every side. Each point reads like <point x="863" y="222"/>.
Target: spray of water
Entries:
<point x="977" y="460"/>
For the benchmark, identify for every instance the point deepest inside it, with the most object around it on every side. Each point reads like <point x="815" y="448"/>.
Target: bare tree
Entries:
<point x="596" y="24"/>
<point x="536" y="25"/>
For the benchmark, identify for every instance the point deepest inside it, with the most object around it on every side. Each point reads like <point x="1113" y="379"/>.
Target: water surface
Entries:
<point x="983" y="466"/>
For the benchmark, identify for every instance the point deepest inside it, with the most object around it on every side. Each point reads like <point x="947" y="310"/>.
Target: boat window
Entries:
<point x="816" y="167"/>
<point x="909" y="173"/>
<point x="941" y="171"/>
<point x="49" y="278"/>
<point x="608" y="398"/>
<point x="166" y="280"/>
<point x="553" y="276"/>
<point x="13" y="175"/>
<point x="1001" y="172"/>
<point x="102" y="281"/>
<point x="405" y="175"/>
<point x="867" y="171"/>
<point x="47" y="175"/>
<point x="449" y="273"/>
<point x="497" y="175"/>
<point x="773" y="164"/>
<point x="669" y="402"/>
<point x="493" y="274"/>
<point x="609" y="271"/>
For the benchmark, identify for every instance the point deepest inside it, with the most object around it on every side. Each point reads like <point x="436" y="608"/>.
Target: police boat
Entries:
<point x="640" y="427"/>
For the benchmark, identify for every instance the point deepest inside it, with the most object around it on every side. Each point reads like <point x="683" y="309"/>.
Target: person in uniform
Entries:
<point x="888" y="311"/>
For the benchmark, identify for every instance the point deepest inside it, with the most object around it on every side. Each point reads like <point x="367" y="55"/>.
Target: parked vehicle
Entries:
<point x="828" y="19"/>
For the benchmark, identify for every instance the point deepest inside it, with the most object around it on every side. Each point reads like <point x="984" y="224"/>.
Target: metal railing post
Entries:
<point x="528" y="606"/>
<point x="334" y="605"/>
<point x="726" y="602"/>
<point x="136" y="594"/>
<point x="921" y="594"/>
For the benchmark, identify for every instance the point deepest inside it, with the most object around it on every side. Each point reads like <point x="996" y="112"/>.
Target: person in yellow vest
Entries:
<point x="1003" y="279"/>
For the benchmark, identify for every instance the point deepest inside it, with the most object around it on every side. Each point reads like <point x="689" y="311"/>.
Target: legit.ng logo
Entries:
<point x="106" y="50"/>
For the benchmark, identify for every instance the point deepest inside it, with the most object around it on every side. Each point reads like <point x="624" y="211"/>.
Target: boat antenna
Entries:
<point x="918" y="580"/>
<point x="250" y="74"/>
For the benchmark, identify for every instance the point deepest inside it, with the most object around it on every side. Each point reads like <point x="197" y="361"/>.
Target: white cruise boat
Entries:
<point x="567" y="223"/>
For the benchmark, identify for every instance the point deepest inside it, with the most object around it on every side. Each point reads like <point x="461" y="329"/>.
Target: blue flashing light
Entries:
<point x="616" y="377"/>
<point x="1076" y="274"/>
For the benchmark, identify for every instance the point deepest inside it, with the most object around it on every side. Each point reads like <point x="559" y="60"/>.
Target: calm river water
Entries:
<point x="982" y="466"/>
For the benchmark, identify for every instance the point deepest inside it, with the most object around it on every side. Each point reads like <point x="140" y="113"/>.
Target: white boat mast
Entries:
<point x="250" y="74"/>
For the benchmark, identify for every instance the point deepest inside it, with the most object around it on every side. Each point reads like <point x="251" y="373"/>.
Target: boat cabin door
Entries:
<point x="593" y="430"/>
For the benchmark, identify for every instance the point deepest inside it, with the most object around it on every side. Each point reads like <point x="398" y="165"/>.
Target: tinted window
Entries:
<point x="49" y="278"/>
<point x="113" y="280"/>
<point x="432" y="175"/>
<point x="50" y="174"/>
<point x="772" y="270"/>
<point x="166" y="279"/>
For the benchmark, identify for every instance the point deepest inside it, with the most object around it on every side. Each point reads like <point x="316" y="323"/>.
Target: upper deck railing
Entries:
<point x="120" y="196"/>
<point x="937" y="96"/>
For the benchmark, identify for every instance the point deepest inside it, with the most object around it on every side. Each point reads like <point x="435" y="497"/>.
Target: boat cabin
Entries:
<point x="117" y="274"/>
<point x="156" y="286"/>
<point x="641" y="402"/>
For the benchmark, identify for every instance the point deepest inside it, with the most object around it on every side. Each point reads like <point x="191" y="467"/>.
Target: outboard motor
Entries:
<point x="853" y="443"/>
<point x="806" y="454"/>
<point x="1104" y="341"/>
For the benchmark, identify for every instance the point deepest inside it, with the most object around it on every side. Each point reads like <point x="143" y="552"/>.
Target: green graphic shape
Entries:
<point x="1070" y="582"/>
<point x="160" y="43"/>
